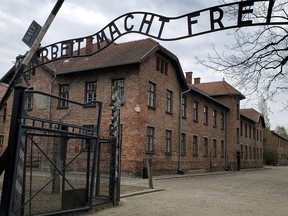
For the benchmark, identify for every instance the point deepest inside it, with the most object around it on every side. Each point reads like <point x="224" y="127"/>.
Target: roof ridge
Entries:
<point x="139" y="40"/>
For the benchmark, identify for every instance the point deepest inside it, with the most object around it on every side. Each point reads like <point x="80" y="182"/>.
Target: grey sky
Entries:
<point x="79" y="18"/>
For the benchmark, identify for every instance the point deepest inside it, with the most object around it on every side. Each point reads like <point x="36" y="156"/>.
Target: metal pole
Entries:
<point x="179" y="171"/>
<point x="9" y="177"/>
<point x="31" y="52"/>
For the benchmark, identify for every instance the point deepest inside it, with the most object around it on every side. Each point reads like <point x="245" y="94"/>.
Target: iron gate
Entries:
<point x="57" y="158"/>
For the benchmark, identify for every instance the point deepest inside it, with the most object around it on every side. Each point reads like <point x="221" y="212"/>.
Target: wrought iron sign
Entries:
<point x="243" y="14"/>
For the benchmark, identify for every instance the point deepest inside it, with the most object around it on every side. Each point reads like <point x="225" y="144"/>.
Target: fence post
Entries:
<point x="13" y="149"/>
<point x="149" y="173"/>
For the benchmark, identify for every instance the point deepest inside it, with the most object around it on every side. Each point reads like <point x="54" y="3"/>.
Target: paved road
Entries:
<point x="245" y="193"/>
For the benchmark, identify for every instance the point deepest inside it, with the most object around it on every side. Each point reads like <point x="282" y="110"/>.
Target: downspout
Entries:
<point x="50" y="92"/>
<point x="179" y="171"/>
<point x="49" y="102"/>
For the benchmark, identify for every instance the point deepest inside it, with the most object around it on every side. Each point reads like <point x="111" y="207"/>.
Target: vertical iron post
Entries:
<point x="10" y="171"/>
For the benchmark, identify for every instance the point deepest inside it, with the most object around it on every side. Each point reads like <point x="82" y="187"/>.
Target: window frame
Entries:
<point x="152" y="95"/>
<point x="121" y="84"/>
<point x="168" y="142"/>
<point x="215" y="118"/>
<point x="183" y="144"/>
<point x="195" y="111"/>
<point x="205" y="115"/>
<point x="214" y="144"/>
<point x="195" y="145"/>
<point x="84" y="142"/>
<point x="90" y="91"/>
<point x="150" y="140"/>
<point x="205" y="147"/>
<point x="65" y="95"/>
<point x="184" y="107"/>
<point x="169" y="101"/>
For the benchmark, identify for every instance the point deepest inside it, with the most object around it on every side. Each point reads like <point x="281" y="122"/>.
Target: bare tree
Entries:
<point x="264" y="110"/>
<point x="281" y="131"/>
<point x="257" y="61"/>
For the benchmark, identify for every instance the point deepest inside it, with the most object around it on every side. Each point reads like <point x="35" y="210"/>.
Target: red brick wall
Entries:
<point x="248" y="141"/>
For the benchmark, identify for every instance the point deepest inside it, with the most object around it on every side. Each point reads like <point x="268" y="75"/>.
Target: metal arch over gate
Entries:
<point x="158" y="26"/>
<point x="34" y="131"/>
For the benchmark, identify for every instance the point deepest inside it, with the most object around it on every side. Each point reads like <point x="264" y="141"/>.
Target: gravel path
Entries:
<point x="245" y="193"/>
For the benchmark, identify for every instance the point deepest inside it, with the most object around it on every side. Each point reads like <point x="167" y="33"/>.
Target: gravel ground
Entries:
<point x="258" y="192"/>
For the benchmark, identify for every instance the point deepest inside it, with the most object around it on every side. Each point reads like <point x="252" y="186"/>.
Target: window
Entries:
<point x="250" y="152"/>
<point x="120" y="83"/>
<point x="169" y="101"/>
<point x="250" y="131"/>
<point x="168" y="142"/>
<point x="237" y="134"/>
<point x="260" y="135"/>
<point x="257" y="135"/>
<point x="246" y="152"/>
<point x="214" y="118"/>
<point x="205" y="115"/>
<point x="245" y="129"/>
<point x="151" y="95"/>
<point x="88" y="143"/>
<point x="29" y="102"/>
<point x="205" y="147"/>
<point x="183" y="144"/>
<point x="1" y="140"/>
<point x="254" y="133"/>
<point x="195" y="146"/>
<point x="238" y="111"/>
<point x="254" y="153"/>
<point x="214" y="148"/>
<point x="241" y="151"/>
<point x="222" y="149"/>
<point x="195" y="111"/>
<point x="241" y="128"/>
<point x="162" y="65"/>
<point x="222" y="121"/>
<point x="90" y="91"/>
<point x="64" y="93"/>
<point x="183" y="108"/>
<point x="150" y="140"/>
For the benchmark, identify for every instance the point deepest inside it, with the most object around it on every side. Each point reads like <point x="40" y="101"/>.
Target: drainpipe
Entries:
<point x="179" y="171"/>
<point x="50" y="92"/>
<point x="49" y="103"/>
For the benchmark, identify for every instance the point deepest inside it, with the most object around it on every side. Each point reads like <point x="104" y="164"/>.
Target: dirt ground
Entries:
<point x="245" y="193"/>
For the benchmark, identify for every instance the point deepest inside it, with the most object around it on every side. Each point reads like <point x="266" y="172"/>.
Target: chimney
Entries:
<point x="89" y="45"/>
<point x="69" y="48"/>
<point x="197" y="80"/>
<point x="189" y="77"/>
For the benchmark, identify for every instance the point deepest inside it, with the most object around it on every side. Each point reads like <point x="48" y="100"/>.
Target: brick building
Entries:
<point x="164" y="116"/>
<point x="279" y="145"/>
<point x="251" y="138"/>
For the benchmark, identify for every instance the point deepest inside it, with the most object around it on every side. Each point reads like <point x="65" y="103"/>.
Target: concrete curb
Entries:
<point x="208" y="173"/>
<point x="141" y="192"/>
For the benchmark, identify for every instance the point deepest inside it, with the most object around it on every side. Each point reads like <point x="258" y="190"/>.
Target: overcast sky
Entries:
<point x="79" y="18"/>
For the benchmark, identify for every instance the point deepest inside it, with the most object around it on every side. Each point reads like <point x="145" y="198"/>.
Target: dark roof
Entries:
<point x="219" y="88"/>
<point x="252" y="114"/>
<point x="114" y="55"/>
<point x="278" y="135"/>
<point x="208" y="96"/>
